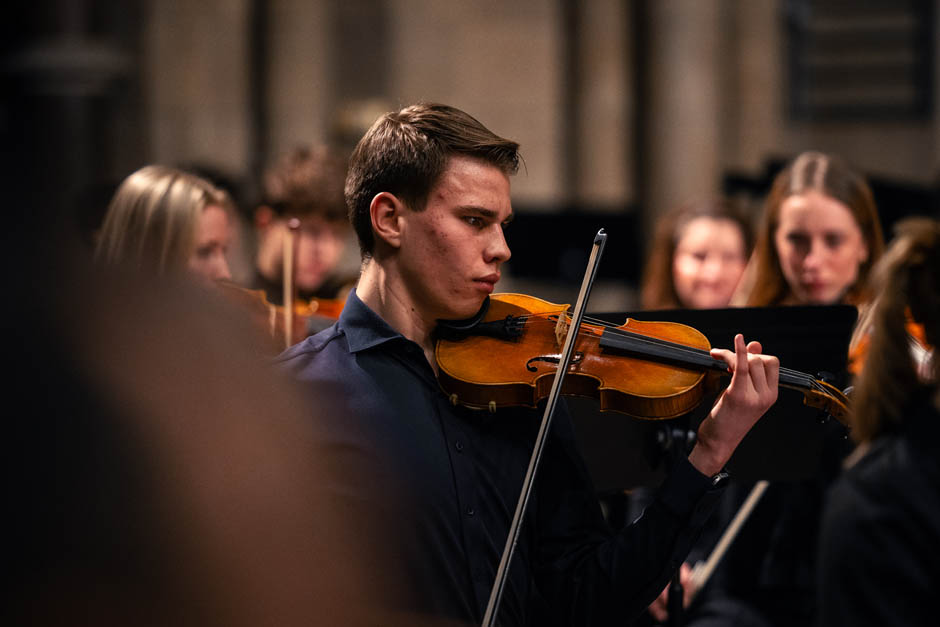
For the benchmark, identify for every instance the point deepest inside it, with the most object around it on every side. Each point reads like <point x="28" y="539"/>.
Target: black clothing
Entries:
<point x="767" y="577"/>
<point x="880" y="540"/>
<point x="455" y="475"/>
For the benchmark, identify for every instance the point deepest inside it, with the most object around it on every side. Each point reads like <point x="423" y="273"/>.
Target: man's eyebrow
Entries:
<point x="482" y="211"/>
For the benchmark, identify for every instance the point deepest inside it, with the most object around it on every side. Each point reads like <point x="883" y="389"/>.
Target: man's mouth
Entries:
<point x="487" y="282"/>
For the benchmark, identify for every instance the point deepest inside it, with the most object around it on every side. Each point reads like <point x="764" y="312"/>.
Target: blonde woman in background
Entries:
<point x="163" y="220"/>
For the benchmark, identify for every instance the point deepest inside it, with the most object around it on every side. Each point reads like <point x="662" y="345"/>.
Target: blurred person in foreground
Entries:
<point x="880" y="533"/>
<point x="699" y="253"/>
<point x="162" y="473"/>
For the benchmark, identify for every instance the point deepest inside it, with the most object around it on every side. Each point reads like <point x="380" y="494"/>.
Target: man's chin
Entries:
<point x="464" y="311"/>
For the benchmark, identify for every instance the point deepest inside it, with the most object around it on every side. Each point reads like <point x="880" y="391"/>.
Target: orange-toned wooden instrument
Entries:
<point x="652" y="370"/>
<point x="308" y="316"/>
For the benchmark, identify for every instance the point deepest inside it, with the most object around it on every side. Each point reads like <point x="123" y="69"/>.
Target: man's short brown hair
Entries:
<point x="307" y="180"/>
<point x="405" y="152"/>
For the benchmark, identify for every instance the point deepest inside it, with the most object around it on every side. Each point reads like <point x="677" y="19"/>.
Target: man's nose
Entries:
<point x="498" y="249"/>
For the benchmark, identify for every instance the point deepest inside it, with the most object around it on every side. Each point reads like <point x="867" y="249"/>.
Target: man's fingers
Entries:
<point x="739" y="362"/>
<point x="750" y="368"/>
<point x="736" y="359"/>
<point x="740" y="354"/>
<point x="758" y="375"/>
<point x="724" y="355"/>
<point x="772" y="368"/>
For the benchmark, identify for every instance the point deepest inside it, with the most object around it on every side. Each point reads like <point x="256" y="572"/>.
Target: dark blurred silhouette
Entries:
<point x="160" y="472"/>
<point x="880" y="531"/>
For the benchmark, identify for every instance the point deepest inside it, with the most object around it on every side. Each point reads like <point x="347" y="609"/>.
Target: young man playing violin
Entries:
<point x="429" y="195"/>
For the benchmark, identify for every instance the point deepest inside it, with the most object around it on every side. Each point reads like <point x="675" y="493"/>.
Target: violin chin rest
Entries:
<point x="452" y="329"/>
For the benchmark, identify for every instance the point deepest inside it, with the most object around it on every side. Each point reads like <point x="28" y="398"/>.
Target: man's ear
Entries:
<point x="264" y="216"/>
<point x="386" y="210"/>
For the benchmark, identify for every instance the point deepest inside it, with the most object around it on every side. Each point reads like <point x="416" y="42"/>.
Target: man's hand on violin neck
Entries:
<point x="752" y="391"/>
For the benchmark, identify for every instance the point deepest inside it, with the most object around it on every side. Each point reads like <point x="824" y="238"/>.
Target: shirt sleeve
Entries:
<point x="591" y="574"/>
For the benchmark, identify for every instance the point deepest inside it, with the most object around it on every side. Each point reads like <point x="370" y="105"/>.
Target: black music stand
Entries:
<point x="622" y="453"/>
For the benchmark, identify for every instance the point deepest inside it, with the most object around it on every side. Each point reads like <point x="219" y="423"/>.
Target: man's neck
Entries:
<point x="383" y="291"/>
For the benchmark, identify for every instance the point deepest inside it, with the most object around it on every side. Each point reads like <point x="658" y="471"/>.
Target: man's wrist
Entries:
<point x="706" y="460"/>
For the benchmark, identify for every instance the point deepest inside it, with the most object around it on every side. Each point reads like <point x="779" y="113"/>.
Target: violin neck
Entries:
<point x="646" y="347"/>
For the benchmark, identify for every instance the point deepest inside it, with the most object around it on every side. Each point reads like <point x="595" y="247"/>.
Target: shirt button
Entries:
<point x="471" y="511"/>
<point x="459" y="446"/>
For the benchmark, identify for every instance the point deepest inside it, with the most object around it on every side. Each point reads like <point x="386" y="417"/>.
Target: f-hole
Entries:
<point x="552" y="359"/>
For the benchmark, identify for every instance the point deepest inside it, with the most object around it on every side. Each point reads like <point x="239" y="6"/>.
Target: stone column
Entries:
<point x="604" y="133"/>
<point x="682" y="137"/>
<point x="197" y="69"/>
<point x="299" y="93"/>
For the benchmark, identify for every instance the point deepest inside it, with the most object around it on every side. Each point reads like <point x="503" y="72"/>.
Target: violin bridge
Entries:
<point x="561" y="330"/>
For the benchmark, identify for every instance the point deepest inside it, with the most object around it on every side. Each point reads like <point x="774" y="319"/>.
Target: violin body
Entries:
<point x="324" y="307"/>
<point x="483" y="372"/>
<point x="650" y="370"/>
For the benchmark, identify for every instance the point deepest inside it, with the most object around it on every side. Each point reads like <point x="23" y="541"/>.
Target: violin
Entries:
<point x="651" y="370"/>
<point x="308" y="316"/>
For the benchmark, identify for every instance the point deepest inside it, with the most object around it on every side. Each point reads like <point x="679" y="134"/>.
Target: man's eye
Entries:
<point x="474" y="221"/>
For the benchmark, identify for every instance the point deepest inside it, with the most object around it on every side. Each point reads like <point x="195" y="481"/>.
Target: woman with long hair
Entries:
<point x="819" y="237"/>
<point x="699" y="253"/>
<point x="880" y="533"/>
<point x="164" y="220"/>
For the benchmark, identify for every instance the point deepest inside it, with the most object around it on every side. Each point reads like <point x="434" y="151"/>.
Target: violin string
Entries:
<point x="689" y="349"/>
<point x="799" y="377"/>
<point x="806" y="379"/>
<point x="679" y="348"/>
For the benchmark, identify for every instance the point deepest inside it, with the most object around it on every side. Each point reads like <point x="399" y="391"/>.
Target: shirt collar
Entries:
<point x="363" y="327"/>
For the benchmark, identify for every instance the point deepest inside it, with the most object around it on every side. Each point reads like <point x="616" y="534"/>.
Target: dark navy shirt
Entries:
<point x="440" y="483"/>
